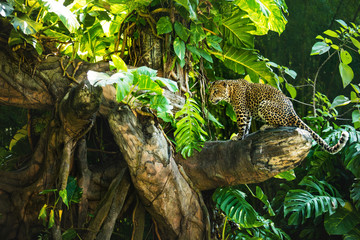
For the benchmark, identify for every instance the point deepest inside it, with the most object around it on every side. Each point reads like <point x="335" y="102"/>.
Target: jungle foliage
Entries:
<point x="205" y="38"/>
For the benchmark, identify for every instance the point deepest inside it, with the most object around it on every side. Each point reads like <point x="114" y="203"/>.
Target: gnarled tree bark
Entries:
<point x="165" y="192"/>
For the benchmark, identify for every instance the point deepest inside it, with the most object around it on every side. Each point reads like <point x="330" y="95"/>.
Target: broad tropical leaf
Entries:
<point x="355" y="193"/>
<point x="237" y="59"/>
<point x="313" y="202"/>
<point x="236" y="31"/>
<point x="342" y="221"/>
<point x="26" y="25"/>
<point x="266" y="15"/>
<point x="233" y="203"/>
<point x="65" y="15"/>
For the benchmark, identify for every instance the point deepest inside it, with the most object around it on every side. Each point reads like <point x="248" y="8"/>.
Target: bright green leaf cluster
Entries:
<point x="343" y="36"/>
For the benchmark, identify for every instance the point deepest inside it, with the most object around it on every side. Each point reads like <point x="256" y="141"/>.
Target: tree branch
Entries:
<point x="258" y="157"/>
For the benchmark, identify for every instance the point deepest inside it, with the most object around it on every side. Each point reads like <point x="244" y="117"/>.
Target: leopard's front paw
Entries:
<point x="236" y="137"/>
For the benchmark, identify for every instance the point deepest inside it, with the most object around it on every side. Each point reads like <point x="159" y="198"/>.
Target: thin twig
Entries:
<point x="315" y="79"/>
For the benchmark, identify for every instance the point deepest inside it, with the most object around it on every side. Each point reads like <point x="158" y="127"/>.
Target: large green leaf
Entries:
<point x="233" y="203"/>
<point x="190" y="6"/>
<point x="236" y="30"/>
<point x="181" y="31"/>
<point x="164" y="25"/>
<point x="65" y="15"/>
<point x="319" y="48"/>
<point x="287" y="175"/>
<point x="319" y="198"/>
<point x="197" y="34"/>
<point x="340" y="100"/>
<point x="346" y="74"/>
<point x="5" y="9"/>
<point x="342" y="221"/>
<point x="26" y="25"/>
<point x="236" y="59"/>
<point x="266" y="15"/>
<point x="179" y="48"/>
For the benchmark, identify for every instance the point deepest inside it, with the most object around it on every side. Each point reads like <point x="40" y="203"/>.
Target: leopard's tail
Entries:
<point x="334" y="149"/>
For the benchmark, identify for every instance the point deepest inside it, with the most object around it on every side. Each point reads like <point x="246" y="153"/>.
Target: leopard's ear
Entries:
<point x="223" y="83"/>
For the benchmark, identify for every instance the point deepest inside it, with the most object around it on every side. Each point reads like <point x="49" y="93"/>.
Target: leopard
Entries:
<point x="267" y="104"/>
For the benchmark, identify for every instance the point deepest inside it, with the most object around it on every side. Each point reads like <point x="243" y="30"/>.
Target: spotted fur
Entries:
<point x="265" y="103"/>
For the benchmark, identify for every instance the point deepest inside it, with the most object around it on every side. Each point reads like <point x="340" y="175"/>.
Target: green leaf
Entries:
<point x="164" y="25"/>
<point x="340" y="100"/>
<point x="190" y="6"/>
<point x="69" y="234"/>
<point x="342" y="221"/>
<point x="342" y="23"/>
<point x="233" y="203"/>
<point x="146" y="83"/>
<point x="319" y="48"/>
<point x="47" y="191"/>
<point x="51" y="219"/>
<point x="264" y="199"/>
<point x="20" y="134"/>
<point x="15" y="38"/>
<point x="119" y="63"/>
<point x="179" y="48"/>
<point x="189" y="134"/>
<point x="65" y="15"/>
<point x="74" y="192"/>
<point x="230" y="112"/>
<point x="236" y="30"/>
<point x="346" y="74"/>
<point x="181" y="31"/>
<point x="197" y="34"/>
<point x="266" y="15"/>
<point x="160" y="103"/>
<point x="211" y="117"/>
<point x="355" y="116"/>
<point x="205" y="55"/>
<point x="26" y="25"/>
<point x="99" y="78"/>
<point x="42" y="213"/>
<point x="213" y="42"/>
<point x="143" y="71"/>
<point x="354" y="234"/>
<point x="320" y="198"/>
<point x="123" y="85"/>
<point x="345" y="56"/>
<point x="236" y="59"/>
<point x="5" y="9"/>
<point x="291" y="89"/>
<point x="64" y="197"/>
<point x="355" y="42"/>
<point x="355" y="193"/>
<point x="170" y="84"/>
<point x="334" y="46"/>
<point x="356" y="88"/>
<point x="287" y="175"/>
<point x="331" y="33"/>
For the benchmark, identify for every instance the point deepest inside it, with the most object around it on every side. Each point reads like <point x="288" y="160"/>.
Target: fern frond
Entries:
<point x="189" y="134"/>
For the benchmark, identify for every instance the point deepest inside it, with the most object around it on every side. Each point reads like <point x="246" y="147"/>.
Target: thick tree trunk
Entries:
<point x="164" y="189"/>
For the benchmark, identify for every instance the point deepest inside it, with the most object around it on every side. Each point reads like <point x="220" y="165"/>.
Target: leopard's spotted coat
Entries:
<point x="265" y="103"/>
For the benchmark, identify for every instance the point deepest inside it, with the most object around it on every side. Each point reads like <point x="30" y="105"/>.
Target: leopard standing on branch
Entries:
<point x="265" y="103"/>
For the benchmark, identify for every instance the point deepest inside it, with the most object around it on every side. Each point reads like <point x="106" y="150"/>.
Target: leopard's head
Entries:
<point x="219" y="90"/>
